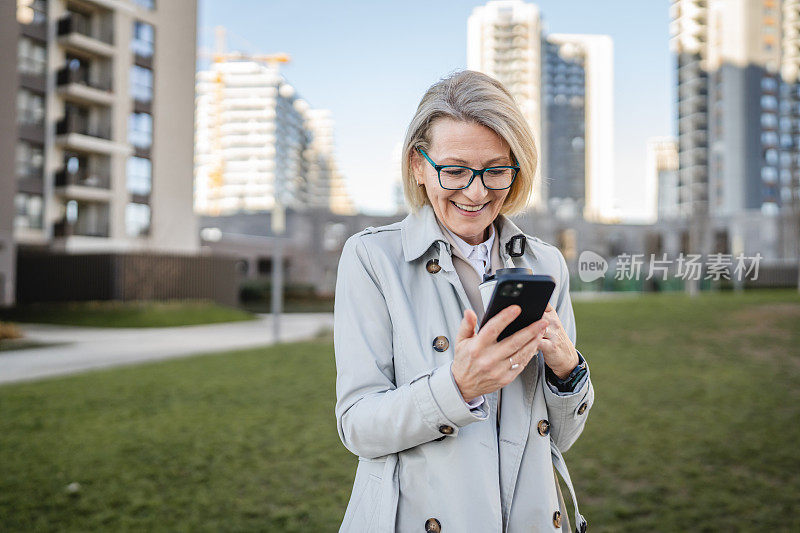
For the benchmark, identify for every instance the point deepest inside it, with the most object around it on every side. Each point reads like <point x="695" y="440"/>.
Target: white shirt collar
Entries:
<point x="476" y="253"/>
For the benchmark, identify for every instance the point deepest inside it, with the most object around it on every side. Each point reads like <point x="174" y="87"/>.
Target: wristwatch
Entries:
<point x="568" y="383"/>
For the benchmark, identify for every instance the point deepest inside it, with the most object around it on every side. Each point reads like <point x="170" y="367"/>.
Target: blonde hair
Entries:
<point x="472" y="96"/>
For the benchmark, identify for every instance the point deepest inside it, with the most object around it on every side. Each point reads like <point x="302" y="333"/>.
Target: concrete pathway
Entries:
<point x="91" y="348"/>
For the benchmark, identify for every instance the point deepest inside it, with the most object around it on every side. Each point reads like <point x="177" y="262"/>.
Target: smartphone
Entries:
<point x="530" y="291"/>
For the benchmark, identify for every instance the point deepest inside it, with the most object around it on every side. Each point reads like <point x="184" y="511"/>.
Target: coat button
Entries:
<point x="582" y="408"/>
<point x="433" y="266"/>
<point x="447" y="430"/>
<point x="433" y="526"/>
<point x="557" y="519"/>
<point x="544" y="427"/>
<point x="441" y="343"/>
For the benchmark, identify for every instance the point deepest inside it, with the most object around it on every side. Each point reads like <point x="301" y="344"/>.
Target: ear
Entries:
<point x="416" y="165"/>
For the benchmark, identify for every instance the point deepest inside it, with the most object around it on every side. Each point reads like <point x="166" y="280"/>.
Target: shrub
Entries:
<point x="9" y="330"/>
<point x="261" y="290"/>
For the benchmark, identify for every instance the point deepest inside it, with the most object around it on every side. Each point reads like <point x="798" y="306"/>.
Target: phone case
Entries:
<point x="531" y="292"/>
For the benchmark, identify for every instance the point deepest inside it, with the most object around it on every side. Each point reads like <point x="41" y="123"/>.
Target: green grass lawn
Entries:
<point x="134" y="314"/>
<point x="695" y="428"/>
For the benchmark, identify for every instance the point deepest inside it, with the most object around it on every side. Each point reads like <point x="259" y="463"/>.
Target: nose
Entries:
<point x="476" y="192"/>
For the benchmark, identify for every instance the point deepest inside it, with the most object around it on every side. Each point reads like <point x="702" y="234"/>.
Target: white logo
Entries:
<point x="591" y="266"/>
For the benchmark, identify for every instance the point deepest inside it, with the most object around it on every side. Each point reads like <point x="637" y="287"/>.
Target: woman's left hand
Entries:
<point x="559" y="352"/>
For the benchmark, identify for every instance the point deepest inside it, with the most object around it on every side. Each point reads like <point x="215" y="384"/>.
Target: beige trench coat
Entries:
<point x="427" y="462"/>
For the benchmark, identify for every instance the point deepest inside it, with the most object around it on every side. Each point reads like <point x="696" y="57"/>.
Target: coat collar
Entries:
<point x="420" y="230"/>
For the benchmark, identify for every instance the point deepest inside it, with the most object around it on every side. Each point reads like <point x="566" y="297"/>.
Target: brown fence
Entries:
<point x="52" y="277"/>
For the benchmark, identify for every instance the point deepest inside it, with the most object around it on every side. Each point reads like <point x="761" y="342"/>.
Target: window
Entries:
<point x="30" y="108"/>
<point x="137" y="219"/>
<point x="32" y="12"/>
<point x="29" y="211"/>
<point x="769" y="84"/>
<point x="769" y="174"/>
<point x="140" y="172"/>
<point x="769" y="208"/>
<point x="140" y="130"/>
<point x="771" y="156"/>
<point x="769" y="138"/>
<point x="769" y="102"/>
<point x="143" y="39"/>
<point x="147" y="4"/>
<point x="31" y="57"/>
<point x="30" y="160"/>
<point x="141" y="83"/>
<point x="768" y="120"/>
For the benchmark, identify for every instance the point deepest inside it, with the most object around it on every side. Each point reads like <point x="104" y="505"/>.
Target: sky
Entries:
<point x="370" y="62"/>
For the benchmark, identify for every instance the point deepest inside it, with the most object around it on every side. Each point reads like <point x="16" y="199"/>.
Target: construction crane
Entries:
<point x="221" y="55"/>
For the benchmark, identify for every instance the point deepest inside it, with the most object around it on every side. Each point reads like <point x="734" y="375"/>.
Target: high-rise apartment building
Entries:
<point x="102" y="156"/>
<point x="688" y="43"/>
<point x="327" y="188"/>
<point x="259" y="144"/>
<point x="579" y="120"/>
<point x="738" y="132"/>
<point x="563" y="84"/>
<point x="661" y="176"/>
<point x="789" y="172"/>
<point x="9" y="35"/>
<point x="104" y="117"/>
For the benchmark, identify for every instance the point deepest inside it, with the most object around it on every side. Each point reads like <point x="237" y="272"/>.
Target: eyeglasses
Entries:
<point x="456" y="177"/>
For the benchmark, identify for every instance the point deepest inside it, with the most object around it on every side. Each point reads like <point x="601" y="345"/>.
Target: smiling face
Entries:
<point x="455" y="142"/>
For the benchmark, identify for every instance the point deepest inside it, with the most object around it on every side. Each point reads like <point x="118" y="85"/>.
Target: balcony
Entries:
<point x="64" y="228"/>
<point x="75" y="31"/>
<point x="83" y="218"/>
<point x="77" y="132"/>
<point x="72" y="123"/>
<point x="80" y="76"/>
<point x="93" y="187"/>
<point x="77" y="85"/>
<point x="83" y="178"/>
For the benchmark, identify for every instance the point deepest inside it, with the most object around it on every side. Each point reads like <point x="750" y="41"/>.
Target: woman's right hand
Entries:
<point x="481" y="364"/>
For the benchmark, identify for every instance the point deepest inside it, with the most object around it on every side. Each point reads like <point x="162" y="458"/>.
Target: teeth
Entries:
<point x="469" y="208"/>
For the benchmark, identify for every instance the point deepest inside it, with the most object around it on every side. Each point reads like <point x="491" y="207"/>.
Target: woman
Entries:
<point x="453" y="430"/>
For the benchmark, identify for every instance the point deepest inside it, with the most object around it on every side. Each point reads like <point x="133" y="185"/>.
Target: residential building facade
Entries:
<point x="661" y="170"/>
<point x="258" y="144"/>
<point x="579" y="123"/>
<point x="738" y="104"/>
<point x="104" y="118"/>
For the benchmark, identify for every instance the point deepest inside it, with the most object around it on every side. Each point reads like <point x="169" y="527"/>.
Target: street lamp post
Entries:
<point x="278" y="223"/>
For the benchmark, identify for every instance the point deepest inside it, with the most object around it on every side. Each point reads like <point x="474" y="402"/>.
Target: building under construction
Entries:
<point x="259" y="145"/>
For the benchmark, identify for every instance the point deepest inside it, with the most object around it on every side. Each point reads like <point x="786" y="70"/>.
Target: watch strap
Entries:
<point x="569" y="382"/>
